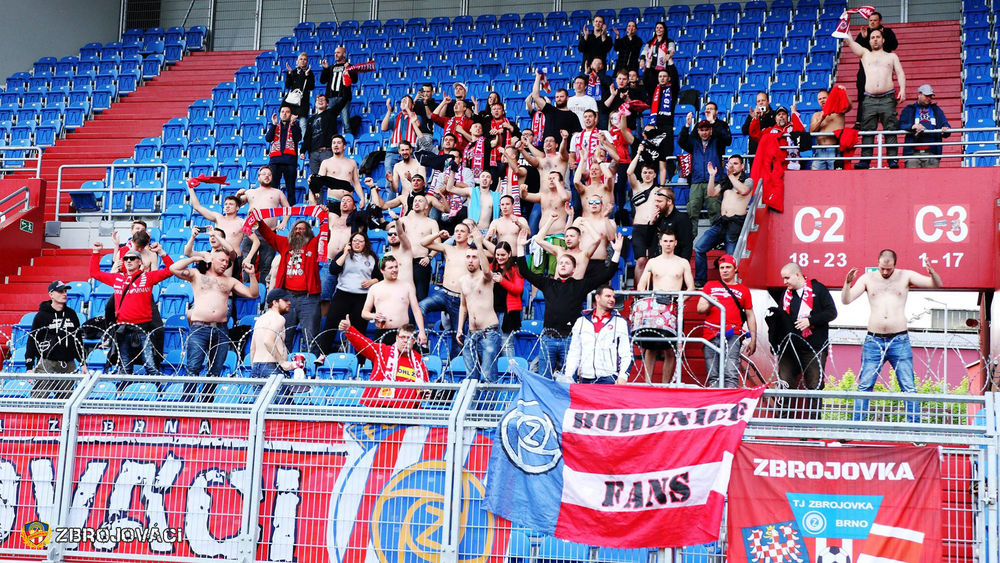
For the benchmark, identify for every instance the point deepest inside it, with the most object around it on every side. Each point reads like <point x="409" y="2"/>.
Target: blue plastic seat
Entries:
<point x="195" y="38"/>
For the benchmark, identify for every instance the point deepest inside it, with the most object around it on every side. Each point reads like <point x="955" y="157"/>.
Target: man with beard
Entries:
<point x="298" y="274"/>
<point x="209" y="314"/>
<point x="484" y="343"/>
<point x="228" y="222"/>
<point x="887" y="339"/>
<point x="344" y="174"/>
<point x="390" y="303"/>
<point x="558" y="118"/>
<point x="404" y="169"/>
<point x="265" y="196"/>
<point x="735" y="189"/>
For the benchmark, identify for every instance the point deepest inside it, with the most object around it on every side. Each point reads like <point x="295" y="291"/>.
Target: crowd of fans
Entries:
<point x="551" y="205"/>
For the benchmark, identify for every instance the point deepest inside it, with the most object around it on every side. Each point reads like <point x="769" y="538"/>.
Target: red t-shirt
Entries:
<point x="295" y="274"/>
<point x="734" y="320"/>
<point x="623" y="149"/>
<point x="450" y="125"/>
<point x="135" y="306"/>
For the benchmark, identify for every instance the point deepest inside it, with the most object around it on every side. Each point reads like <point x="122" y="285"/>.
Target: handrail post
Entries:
<point x="879" y="140"/>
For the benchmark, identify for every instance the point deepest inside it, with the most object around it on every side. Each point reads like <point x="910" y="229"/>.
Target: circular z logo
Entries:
<point x="529" y="438"/>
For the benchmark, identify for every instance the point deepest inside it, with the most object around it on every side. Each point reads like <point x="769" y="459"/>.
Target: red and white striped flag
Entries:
<point x="888" y="544"/>
<point x="844" y="26"/>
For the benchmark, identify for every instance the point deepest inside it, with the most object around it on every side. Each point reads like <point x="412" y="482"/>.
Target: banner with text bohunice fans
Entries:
<point x="834" y="505"/>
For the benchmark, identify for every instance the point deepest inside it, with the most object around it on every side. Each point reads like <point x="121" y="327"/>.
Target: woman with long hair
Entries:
<point x="508" y="289"/>
<point x="357" y="272"/>
<point x="657" y="55"/>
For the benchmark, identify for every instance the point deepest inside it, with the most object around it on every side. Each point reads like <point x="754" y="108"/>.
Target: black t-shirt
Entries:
<point x="557" y="120"/>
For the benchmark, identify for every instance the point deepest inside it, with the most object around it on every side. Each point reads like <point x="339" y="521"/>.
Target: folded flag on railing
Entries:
<point x="636" y="467"/>
<point x="844" y="25"/>
<point x="203" y="179"/>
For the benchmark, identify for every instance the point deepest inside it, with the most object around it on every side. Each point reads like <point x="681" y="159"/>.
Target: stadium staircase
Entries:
<point x="943" y="70"/>
<point x="114" y="133"/>
<point x="24" y="291"/>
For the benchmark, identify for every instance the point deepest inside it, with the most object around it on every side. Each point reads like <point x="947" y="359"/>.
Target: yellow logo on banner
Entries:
<point x="36" y="534"/>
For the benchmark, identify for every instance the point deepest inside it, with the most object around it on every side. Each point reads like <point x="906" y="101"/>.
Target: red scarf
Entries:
<point x="587" y="144"/>
<point x="276" y="149"/>
<point x="475" y="153"/>
<point x="661" y="103"/>
<point x="257" y="215"/>
<point x="512" y="188"/>
<point x="538" y="127"/>
<point x="402" y="131"/>
<point x="594" y="86"/>
<point x="496" y="153"/>
<point x="804" y="309"/>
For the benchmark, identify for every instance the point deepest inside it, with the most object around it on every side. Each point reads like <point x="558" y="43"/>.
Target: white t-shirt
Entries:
<point x="579" y="104"/>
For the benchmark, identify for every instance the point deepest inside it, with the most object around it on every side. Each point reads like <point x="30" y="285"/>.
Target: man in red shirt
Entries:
<point x="133" y="303"/>
<point x="392" y="363"/>
<point x="456" y="125"/>
<point x="735" y="297"/>
<point x="298" y="273"/>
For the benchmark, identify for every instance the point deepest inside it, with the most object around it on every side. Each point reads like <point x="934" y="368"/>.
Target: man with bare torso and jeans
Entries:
<point x="267" y="345"/>
<point x="735" y="189"/>
<point x="484" y="342"/>
<point x="264" y="197"/>
<point x="209" y="314"/>
<point x="880" y="96"/>
<point x="448" y="297"/>
<point x="416" y="226"/>
<point x="666" y="272"/>
<point x="390" y="303"/>
<point x="887" y="339"/>
<point x="821" y="122"/>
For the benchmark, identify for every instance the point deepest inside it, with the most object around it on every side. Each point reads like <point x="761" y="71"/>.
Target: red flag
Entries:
<point x="203" y="179"/>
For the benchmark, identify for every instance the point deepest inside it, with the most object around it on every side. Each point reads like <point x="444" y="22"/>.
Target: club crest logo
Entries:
<point x="775" y="543"/>
<point x="36" y="534"/>
<point x="529" y="438"/>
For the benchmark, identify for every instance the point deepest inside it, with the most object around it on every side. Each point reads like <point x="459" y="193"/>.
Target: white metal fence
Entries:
<point x="282" y="470"/>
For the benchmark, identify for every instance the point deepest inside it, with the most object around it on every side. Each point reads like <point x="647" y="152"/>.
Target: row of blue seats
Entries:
<point x="980" y="71"/>
<point x="193" y="38"/>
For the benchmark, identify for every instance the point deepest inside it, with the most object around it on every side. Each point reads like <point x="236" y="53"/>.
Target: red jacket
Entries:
<point x="310" y="258"/>
<point x="409" y="368"/>
<point x="454" y="122"/>
<point x="137" y="306"/>
<point x="513" y="284"/>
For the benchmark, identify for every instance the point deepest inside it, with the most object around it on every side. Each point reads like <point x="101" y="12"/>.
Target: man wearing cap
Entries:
<point x="735" y="299"/>
<point x="707" y="149"/>
<point x="133" y="302"/>
<point x="925" y="123"/>
<point x="209" y="313"/>
<point x="267" y="345"/>
<point x="54" y="343"/>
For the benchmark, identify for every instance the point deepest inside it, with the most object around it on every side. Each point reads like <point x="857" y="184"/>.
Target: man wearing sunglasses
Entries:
<point x="133" y="304"/>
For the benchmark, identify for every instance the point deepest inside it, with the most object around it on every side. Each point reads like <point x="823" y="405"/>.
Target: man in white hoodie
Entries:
<point x="600" y="350"/>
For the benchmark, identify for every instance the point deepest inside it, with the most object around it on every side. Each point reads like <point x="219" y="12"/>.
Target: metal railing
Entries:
<point x="880" y="146"/>
<point x="750" y="223"/>
<point x="20" y="197"/>
<point x="37" y="158"/>
<point x="109" y="190"/>
<point x="287" y="470"/>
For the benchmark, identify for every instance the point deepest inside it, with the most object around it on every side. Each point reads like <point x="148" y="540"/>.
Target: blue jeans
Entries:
<point x="133" y="343"/>
<point x="552" y="354"/>
<point x="205" y="341"/>
<point x="823" y="151"/>
<point x="328" y="282"/>
<point x="707" y="241"/>
<point x="345" y="116"/>
<point x="875" y="352"/>
<point x="482" y="352"/>
<point x="263" y="369"/>
<point x="606" y="380"/>
<point x="443" y="301"/>
<point x="304" y="314"/>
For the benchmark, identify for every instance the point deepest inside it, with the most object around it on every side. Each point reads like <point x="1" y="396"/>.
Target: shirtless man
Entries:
<point x="553" y="198"/>
<point x="887" y="339"/>
<point x="208" y="315"/>
<point x="484" y="343"/>
<point x="826" y="146"/>
<point x="554" y="155"/>
<point x="597" y="179"/>
<point x="644" y="204"/>
<point x="505" y="227"/>
<point x="342" y="168"/>
<point x="595" y="230"/>
<point x="573" y="237"/>
<point x="735" y="189"/>
<point x="404" y="170"/>
<point x="400" y="248"/>
<point x="217" y="242"/>
<point x="666" y="272"/>
<point x="390" y="303"/>
<point x="140" y="243"/>
<point x="267" y="345"/>
<point x="481" y="212"/>
<point x="880" y="104"/>
<point x="448" y="298"/>
<point x="340" y="234"/>
<point x="264" y="197"/>
<point x="228" y="221"/>
<point x="416" y="226"/>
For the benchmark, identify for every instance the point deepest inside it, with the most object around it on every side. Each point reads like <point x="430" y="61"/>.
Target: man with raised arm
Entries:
<point x="265" y="196"/>
<point x="564" y="298"/>
<point x="483" y="343"/>
<point x="735" y="189"/>
<point x="390" y="303"/>
<point x="339" y="167"/>
<point x="405" y="128"/>
<point x="448" y="297"/>
<point x="405" y="169"/>
<point x="828" y="120"/>
<point x="396" y="362"/>
<point x="596" y="231"/>
<point x="209" y="314"/>
<point x="880" y="96"/>
<point x="558" y="117"/>
<point x="666" y="272"/>
<point x="575" y="248"/>
<point x="553" y="197"/>
<point x="267" y="345"/>
<point x="133" y="304"/>
<point x="228" y="221"/>
<point x="645" y="212"/>
<point x="887" y="339"/>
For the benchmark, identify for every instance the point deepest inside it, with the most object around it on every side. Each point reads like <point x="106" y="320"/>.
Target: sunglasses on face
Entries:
<point x="130" y="258"/>
<point x="595" y="202"/>
<point x="393" y="235"/>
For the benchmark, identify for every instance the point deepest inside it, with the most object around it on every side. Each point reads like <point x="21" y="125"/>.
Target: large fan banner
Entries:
<point x="617" y="466"/>
<point x="790" y="503"/>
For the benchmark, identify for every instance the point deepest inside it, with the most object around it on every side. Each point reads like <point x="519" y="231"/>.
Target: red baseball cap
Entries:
<point x="727" y="259"/>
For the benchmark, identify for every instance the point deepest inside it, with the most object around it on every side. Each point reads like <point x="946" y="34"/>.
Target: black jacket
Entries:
<point x="628" y="50"/>
<point x="54" y="336"/>
<point x="594" y="47"/>
<point x="300" y="79"/>
<point x="681" y="224"/>
<point x="564" y="298"/>
<point x="328" y="127"/>
<point x="781" y="324"/>
<point x="766" y="121"/>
